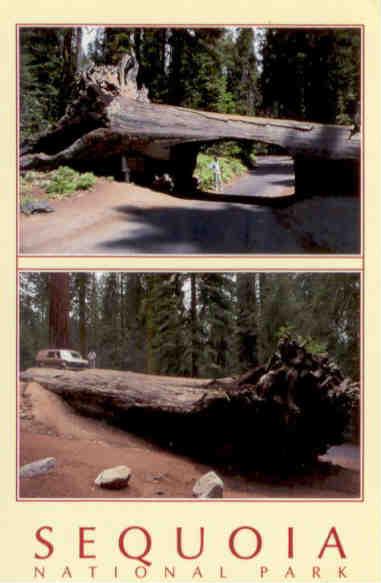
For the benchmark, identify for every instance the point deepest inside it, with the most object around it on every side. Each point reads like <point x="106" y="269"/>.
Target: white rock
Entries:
<point x="114" y="478"/>
<point x="38" y="467"/>
<point x="209" y="486"/>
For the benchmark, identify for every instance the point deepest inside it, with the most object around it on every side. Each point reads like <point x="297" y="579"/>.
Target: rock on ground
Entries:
<point x="38" y="467"/>
<point x="114" y="478"/>
<point x="209" y="486"/>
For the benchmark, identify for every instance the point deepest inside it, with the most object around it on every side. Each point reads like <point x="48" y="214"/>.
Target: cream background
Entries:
<point x="357" y="522"/>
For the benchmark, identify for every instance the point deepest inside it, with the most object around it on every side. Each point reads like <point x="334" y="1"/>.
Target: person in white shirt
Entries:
<point x="91" y="357"/>
<point x="215" y="166"/>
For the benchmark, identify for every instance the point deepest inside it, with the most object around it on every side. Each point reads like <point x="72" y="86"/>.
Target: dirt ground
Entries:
<point x="256" y="213"/>
<point x="83" y="447"/>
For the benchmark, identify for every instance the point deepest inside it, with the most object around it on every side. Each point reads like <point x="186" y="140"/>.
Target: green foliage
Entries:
<point x="39" y="93"/>
<point x="311" y="74"/>
<point x="56" y="184"/>
<point x="181" y="66"/>
<point x="48" y="66"/>
<point x="314" y="346"/>
<point x="205" y="324"/>
<point x="243" y="73"/>
<point x="26" y="199"/>
<point x="86" y="181"/>
<point x="196" y="75"/>
<point x="230" y="168"/>
<point x="248" y="320"/>
<point x="34" y="178"/>
<point x="310" y="344"/>
<point x="33" y="316"/>
<point x="217" y="324"/>
<point x="65" y="180"/>
<point x="164" y="316"/>
<point x="111" y="349"/>
<point x="285" y="330"/>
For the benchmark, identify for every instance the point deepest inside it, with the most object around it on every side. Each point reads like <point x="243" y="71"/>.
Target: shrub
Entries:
<point x="230" y="167"/>
<point x="65" y="180"/>
<point x="86" y="181"/>
<point x="310" y="344"/>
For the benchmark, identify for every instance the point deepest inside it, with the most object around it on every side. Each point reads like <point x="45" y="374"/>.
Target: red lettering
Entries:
<point x="290" y="543"/>
<point x="44" y="542"/>
<point x="258" y="542"/>
<point x="335" y="545"/>
<point x="147" y="549"/>
<point x="83" y="541"/>
<point x="179" y="544"/>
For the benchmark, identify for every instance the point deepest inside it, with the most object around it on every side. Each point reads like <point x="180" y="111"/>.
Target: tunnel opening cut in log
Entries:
<point x="110" y="117"/>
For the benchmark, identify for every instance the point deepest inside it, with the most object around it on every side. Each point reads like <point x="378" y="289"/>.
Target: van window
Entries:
<point x="70" y="354"/>
<point x="52" y="354"/>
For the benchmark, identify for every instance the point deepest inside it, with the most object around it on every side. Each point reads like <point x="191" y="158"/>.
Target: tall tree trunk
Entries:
<point x="193" y="313"/>
<point x="59" y="308"/>
<point x="93" y="313"/>
<point x="82" y="290"/>
<point x="78" y="55"/>
<point x="68" y="69"/>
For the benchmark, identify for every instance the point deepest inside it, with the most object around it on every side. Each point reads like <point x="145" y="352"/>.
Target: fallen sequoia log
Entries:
<point x="282" y="414"/>
<point x="110" y="125"/>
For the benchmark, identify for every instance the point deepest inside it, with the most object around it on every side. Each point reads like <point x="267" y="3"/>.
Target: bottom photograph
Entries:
<point x="189" y="385"/>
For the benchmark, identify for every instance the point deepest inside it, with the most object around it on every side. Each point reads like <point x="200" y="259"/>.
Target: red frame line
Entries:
<point x="360" y="255"/>
<point x="193" y="500"/>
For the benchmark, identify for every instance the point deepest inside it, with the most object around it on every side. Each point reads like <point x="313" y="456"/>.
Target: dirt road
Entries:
<point x="125" y="219"/>
<point x="83" y="447"/>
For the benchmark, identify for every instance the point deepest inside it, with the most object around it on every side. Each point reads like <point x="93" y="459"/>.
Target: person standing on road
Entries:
<point x="215" y="166"/>
<point x="91" y="357"/>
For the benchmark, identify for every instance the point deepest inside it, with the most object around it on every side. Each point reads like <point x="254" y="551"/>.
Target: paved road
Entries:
<point x="272" y="177"/>
<point x="124" y="219"/>
<point x="347" y="455"/>
<point x="257" y="214"/>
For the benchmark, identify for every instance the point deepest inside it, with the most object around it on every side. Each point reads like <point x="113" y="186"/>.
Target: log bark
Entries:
<point x="281" y="414"/>
<point x="111" y="116"/>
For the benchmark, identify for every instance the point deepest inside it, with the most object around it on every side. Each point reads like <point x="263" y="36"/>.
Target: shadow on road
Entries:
<point x="270" y="183"/>
<point x="285" y="182"/>
<point x="277" y="167"/>
<point x="275" y="201"/>
<point x="228" y="229"/>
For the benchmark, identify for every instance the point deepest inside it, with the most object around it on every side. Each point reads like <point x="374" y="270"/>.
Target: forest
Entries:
<point x="191" y="324"/>
<point x="302" y="74"/>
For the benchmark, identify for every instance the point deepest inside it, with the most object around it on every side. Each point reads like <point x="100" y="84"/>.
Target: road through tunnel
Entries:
<point x="118" y="122"/>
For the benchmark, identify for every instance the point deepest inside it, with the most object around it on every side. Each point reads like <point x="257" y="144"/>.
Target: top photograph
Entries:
<point x="189" y="140"/>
